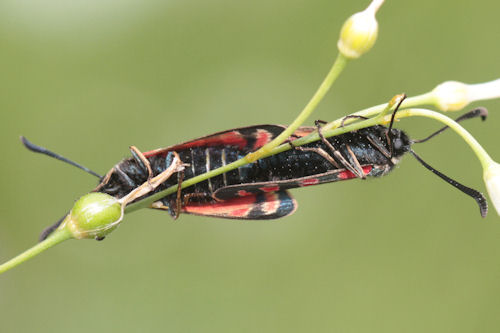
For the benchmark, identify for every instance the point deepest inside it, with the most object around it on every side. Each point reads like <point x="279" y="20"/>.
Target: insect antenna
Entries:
<point x="478" y="196"/>
<point x="479" y="112"/>
<point x="388" y="133"/>
<point x="402" y="98"/>
<point x="42" y="150"/>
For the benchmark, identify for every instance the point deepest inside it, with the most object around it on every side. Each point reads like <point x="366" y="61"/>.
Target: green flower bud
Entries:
<point x="93" y="216"/>
<point x="359" y="32"/>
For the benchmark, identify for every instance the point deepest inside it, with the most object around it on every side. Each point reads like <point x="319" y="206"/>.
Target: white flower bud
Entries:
<point x="359" y="32"/>
<point x="451" y="96"/>
<point x="491" y="177"/>
<point x="454" y="95"/>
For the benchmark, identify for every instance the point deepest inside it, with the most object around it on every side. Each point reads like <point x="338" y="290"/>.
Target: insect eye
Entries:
<point x="398" y="143"/>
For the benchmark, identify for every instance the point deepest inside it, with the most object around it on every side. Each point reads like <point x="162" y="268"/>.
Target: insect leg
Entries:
<point x="356" y="168"/>
<point x="352" y="116"/>
<point x="172" y="207"/>
<point x="189" y="196"/>
<point x="124" y="176"/>
<point x="355" y="161"/>
<point x="178" y="205"/>
<point x="379" y="145"/>
<point x="105" y="180"/>
<point x="149" y="186"/>
<point x="318" y="151"/>
<point x="142" y="161"/>
<point x="322" y="153"/>
<point x="119" y="172"/>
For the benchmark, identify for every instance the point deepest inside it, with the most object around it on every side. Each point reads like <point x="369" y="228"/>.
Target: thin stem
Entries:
<point x="55" y="238"/>
<point x="419" y="100"/>
<point x="481" y="154"/>
<point x="332" y="75"/>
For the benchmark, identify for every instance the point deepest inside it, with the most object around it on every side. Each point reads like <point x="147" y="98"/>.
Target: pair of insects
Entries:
<point x="259" y="190"/>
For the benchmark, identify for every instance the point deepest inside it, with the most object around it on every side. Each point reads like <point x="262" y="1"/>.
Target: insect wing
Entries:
<point x="248" y="189"/>
<point x="263" y="206"/>
<point x="247" y="139"/>
<point x="303" y="131"/>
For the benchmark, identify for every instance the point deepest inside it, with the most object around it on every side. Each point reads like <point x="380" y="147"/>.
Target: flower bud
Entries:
<point x="454" y="95"/>
<point x="451" y="96"/>
<point x="359" y="32"/>
<point x="94" y="216"/>
<point x="491" y="177"/>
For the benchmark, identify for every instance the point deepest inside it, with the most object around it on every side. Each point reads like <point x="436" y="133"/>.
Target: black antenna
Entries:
<point x="41" y="150"/>
<point x="478" y="196"/>
<point x="403" y="97"/>
<point x="479" y="112"/>
<point x="388" y="134"/>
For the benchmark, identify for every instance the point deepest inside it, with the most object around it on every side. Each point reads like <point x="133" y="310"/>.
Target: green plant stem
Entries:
<point x="482" y="155"/>
<point x="410" y="102"/>
<point x="56" y="237"/>
<point x="337" y="67"/>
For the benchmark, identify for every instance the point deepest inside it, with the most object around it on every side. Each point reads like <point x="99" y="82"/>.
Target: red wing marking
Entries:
<point x="236" y="207"/>
<point x="243" y="193"/>
<point x="252" y="207"/>
<point x="231" y="138"/>
<point x="263" y="137"/>
<point x="309" y="182"/>
<point x="346" y="174"/>
<point x="271" y="205"/>
<point x="267" y="189"/>
<point x="244" y="138"/>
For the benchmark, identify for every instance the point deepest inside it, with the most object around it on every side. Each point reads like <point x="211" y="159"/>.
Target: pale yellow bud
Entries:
<point x="359" y="32"/>
<point x="454" y="95"/>
<point x="451" y="96"/>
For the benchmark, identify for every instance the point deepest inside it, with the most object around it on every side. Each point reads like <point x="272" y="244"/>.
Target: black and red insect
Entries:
<point x="259" y="190"/>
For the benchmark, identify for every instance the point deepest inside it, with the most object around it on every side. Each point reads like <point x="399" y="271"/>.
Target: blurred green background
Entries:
<point x="406" y="253"/>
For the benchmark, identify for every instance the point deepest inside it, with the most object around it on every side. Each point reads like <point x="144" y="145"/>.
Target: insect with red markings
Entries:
<point x="259" y="190"/>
